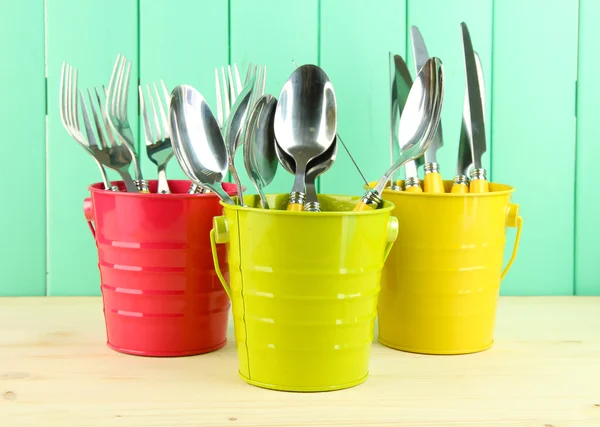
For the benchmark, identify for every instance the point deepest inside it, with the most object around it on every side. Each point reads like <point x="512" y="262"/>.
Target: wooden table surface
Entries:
<point x="543" y="371"/>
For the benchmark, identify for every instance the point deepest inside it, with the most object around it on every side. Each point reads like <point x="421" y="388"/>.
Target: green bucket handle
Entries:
<point x="219" y="234"/>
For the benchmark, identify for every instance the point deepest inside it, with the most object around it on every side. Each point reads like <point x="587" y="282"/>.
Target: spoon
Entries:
<point x="233" y="127"/>
<point x="418" y="124"/>
<point x="401" y="84"/>
<point x="316" y="167"/>
<point x="197" y="140"/>
<point x="305" y="123"/>
<point x="259" y="148"/>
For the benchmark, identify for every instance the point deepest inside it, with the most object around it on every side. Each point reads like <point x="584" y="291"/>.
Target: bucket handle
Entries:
<point x="219" y="234"/>
<point x="88" y="211"/>
<point x="392" y="234"/>
<point x="513" y="220"/>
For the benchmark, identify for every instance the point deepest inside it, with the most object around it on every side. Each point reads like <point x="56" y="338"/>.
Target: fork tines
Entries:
<point x="158" y="134"/>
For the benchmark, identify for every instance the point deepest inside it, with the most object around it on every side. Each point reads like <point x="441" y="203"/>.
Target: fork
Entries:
<point x="227" y="96"/>
<point x="158" y="143"/>
<point x="116" y="108"/>
<point x="111" y="153"/>
<point x="70" y="118"/>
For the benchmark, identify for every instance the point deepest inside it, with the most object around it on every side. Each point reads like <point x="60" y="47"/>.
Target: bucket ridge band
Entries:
<point x="272" y="331"/>
<point x="459" y="240"/>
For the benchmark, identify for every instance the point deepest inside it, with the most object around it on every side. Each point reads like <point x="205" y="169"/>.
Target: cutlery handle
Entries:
<point x="362" y="206"/>
<point x="296" y="202"/>
<point x="479" y="183"/>
<point x="460" y="188"/>
<point x="479" y="186"/>
<point x="395" y="185"/>
<point x="297" y="207"/>
<point x="142" y="185"/>
<point x="197" y="189"/>
<point x="414" y="189"/>
<point x="460" y="185"/>
<point x="370" y="201"/>
<point x="433" y="183"/>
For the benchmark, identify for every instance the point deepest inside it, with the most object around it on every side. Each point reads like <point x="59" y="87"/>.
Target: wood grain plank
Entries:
<point x="355" y="40"/>
<point x="185" y="54"/>
<point x="291" y="35"/>
<point x="89" y="36"/>
<point x="542" y="371"/>
<point x="23" y="173"/>
<point x="587" y="208"/>
<point x="533" y="134"/>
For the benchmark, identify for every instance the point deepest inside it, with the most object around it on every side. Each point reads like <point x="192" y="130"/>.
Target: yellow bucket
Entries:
<point x="441" y="282"/>
<point x="304" y="289"/>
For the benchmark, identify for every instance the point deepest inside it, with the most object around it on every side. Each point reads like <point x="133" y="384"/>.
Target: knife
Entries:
<point x="433" y="182"/>
<point x="401" y="84"/>
<point x="465" y="156"/>
<point x="476" y="128"/>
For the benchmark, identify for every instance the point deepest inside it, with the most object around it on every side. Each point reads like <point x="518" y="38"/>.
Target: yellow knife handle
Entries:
<point x="395" y="185"/>
<point x="460" y="188"/>
<point x="297" y="207"/>
<point x="479" y="183"/>
<point x="414" y="189"/>
<point x="362" y="206"/>
<point x="479" y="186"/>
<point x="434" y="183"/>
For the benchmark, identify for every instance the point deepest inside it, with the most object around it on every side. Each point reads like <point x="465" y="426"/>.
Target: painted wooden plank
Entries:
<point x="185" y="54"/>
<point x="290" y="35"/>
<point x="533" y="132"/>
<point x="23" y="173"/>
<point x="356" y="37"/>
<point x="89" y="36"/>
<point x="587" y="243"/>
<point x="443" y="38"/>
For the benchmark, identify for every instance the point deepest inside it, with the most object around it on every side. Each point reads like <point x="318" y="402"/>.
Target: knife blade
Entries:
<point x="433" y="182"/>
<point x="476" y="129"/>
<point x="400" y="88"/>
<point x="465" y="150"/>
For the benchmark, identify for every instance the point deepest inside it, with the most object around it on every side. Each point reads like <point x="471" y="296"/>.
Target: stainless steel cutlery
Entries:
<point x="297" y="130"/>
<point x="158" y="133"/>
<point x="69" y="116"/>
<point x="470" y="175"/>
<point x="116" y="107"/>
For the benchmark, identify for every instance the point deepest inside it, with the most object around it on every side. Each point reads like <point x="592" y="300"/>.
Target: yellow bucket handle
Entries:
<point x="220" y="225"/>
<point x="513" y="220"/>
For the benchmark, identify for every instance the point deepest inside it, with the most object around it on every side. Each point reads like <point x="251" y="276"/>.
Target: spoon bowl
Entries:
<point x="260" y="158"/>
<point x="197" y="140"/>
<point x="234" y="125"/>
<point x="305" y="123"/>
<point x="418" y="124"/>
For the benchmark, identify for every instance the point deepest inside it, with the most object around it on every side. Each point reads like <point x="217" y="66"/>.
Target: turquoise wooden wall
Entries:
<point x="539" y="59"/>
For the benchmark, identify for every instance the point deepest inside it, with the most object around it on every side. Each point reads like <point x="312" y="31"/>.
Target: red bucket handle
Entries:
<point x="88" y="211"/>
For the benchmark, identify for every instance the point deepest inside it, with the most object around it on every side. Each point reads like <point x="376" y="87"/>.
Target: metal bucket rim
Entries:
<point x="386" y="192"/>
<point x="98" y="188"/>
<point x="388" y="207"/>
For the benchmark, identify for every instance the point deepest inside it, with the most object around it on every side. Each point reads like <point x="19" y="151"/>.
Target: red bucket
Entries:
<point x="160" y="292"/>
